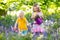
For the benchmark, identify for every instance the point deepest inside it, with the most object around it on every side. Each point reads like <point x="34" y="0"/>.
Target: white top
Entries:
<point x="39" y="13"/>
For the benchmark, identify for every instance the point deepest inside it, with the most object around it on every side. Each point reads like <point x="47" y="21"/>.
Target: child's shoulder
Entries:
<point x="18" y="18"/>
<point x="25" y="17"/>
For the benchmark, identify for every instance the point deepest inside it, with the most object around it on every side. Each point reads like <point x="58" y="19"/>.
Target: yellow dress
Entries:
<point x="22" y="24"/>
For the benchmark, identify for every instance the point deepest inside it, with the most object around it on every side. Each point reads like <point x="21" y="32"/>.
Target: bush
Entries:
<point x="3" y="12"/>
<point x="28" y="16"/>
<point x="7" y="20"/>
<point x="2" y="36"/>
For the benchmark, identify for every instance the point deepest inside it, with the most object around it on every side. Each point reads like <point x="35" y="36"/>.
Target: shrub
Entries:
<point x="8" y="20"/>
<point x="28" y="16"/>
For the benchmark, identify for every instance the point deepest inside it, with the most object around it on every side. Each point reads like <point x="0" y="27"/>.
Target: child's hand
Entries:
<point x="32" y="17"/>
<point x="28" y="24"/>
<point x="14" y="28"/>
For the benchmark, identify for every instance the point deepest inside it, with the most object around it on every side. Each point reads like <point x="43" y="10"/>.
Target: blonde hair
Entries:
<point x="19" y="12"/>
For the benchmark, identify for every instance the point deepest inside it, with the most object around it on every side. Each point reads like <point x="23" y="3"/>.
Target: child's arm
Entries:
<point x="27" y="23"/>
<point x="32" y="16"/>
<point x="15" y="26"/>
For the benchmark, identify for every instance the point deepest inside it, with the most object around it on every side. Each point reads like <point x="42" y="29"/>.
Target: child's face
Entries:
<point x="21" y="15"/>
<point x="35" y="9"/>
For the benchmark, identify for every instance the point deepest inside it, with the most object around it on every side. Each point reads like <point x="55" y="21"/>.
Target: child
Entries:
<point x="22" y="24"/>
<point x="37" y="16"/>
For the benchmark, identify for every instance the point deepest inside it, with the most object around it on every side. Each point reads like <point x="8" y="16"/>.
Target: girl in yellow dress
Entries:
<point x="22" y="24"/>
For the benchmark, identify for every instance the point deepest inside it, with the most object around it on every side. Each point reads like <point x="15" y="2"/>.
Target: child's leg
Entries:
<point x="29" y="29"/>
<point x="19" y="33"/>
<point x="35" y="35"/>
<point x="45" y="34"/>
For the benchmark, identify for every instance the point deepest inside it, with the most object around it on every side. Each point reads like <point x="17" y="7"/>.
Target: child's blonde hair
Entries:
<point x="19" y="12"/>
